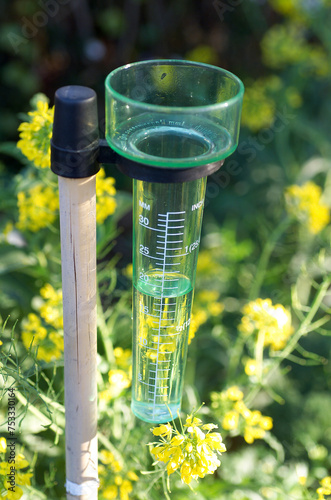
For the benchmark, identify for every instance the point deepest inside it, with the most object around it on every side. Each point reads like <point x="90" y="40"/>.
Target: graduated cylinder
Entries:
<point x="167" y="228"/>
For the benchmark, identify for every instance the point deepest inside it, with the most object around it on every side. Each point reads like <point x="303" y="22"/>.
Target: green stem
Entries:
<point x="45" y="421"/>
<point x="265" y="256"/>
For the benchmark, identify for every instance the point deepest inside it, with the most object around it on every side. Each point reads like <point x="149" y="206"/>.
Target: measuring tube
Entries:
<point x="167" y="226"/>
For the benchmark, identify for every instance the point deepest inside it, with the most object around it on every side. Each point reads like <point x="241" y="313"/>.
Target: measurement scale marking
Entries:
<point x="162" y="307"/>
<point x="170" y="213"/>
<point x="152" y="228"/>
<point x="165" y="264"/>
<point x="150" y="256"/>
<point x="164" y="326"/>
<point x="161" y="312"/>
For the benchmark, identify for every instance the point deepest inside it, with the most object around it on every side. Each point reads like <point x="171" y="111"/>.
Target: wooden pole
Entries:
<point x="78" y="255"/>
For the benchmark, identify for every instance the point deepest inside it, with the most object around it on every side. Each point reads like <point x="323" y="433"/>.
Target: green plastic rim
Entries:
<point x="143" y="113"/>
<point x="175" y="62"/>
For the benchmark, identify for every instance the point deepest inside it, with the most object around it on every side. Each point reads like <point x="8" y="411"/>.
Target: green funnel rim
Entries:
<point x="182" y="109"/>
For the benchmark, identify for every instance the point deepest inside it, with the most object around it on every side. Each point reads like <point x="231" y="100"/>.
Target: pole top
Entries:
<point x="75" y="140"/>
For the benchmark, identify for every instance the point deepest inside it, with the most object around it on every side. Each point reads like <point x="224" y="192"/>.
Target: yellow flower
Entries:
<point x="116" y="466"/>
<point x="105" y="192"/>
<point x="24" y="479"/>
<point x="250" y="367"/>
<point x="110" y="492"/>
<point x="215" y="308"/>
<point x="266" y="423"/>
<point x="304" y="203"/>
<point x="230" y="420"/>
<point x="106" y="457"/>
<point x="118" y="480"/>
<point x="21" y="478"/>
<point x="118" y="380"/>
<point x="258" y="107"/>
<point x="128" y="271"/>
<point x="3" y="445"/>
<point x="132" y="475"/>
<point x="126" y="486"/>
<point x="235" y="415"/>
<point x="123" y="358"/>
<point x="274" y="322"/>
<point x="35" y="135"/>
<point x="241" y="408"/>
<point x="38" y="208"/>
<point x="49" y="343"/>
<point x="198" y="317"/>
<point x="192" y="452"/>
<point x="163" y="430"/>
<point x="302" y="480"/>
<point x="252" y="433"/>
<point x="234" y="393"/>
<point x="205" y="263"/>
<point x="12" y="495"/>
<point x="20" y="461"/>
<point x="326" y="482"/>
<point x="325" y="488"/>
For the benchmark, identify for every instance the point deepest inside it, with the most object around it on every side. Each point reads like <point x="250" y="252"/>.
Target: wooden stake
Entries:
<point x="78" y="254"/>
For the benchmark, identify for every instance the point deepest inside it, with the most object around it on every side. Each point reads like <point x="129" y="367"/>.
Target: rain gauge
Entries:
<point x="169" y="124"/>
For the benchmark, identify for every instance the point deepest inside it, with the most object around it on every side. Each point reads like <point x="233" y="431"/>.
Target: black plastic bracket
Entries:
<point x="77" y="151"/>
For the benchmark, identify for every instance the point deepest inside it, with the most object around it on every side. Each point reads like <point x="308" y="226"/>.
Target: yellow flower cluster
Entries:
<point x="273" y="322"/>
<point x="207" y="264"/>
<point x="45" y="330"/>
<point x="285" y="44"/>
<point x="105" y="191"/>
<point x="209" y="300"/>
<point x="325" y="488"/>
<point x="38" y="208"/>
<point x="123" y="358"/>
<point x="304" y="203"/>
<point x="118" y="381"/>
<point x="114" y="482"/>
<point x="51" y="308"/>
<point x="11" y="492"/>
<point x="198" y="317"/>
<point x="35" y="135"/>
<point x="206" y="304"/>
<point x="191" y="452"/>
<point x="237" y="417"/>
<point x="258" y="106"/>
<point x="298" y="10"/>
<point x="119" y="378"/>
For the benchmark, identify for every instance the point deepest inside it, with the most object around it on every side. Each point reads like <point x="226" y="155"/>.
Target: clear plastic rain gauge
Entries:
<point x="173" y="123"/>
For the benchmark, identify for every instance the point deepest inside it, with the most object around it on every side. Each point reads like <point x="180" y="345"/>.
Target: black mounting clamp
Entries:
<point x="77" y="150"/>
